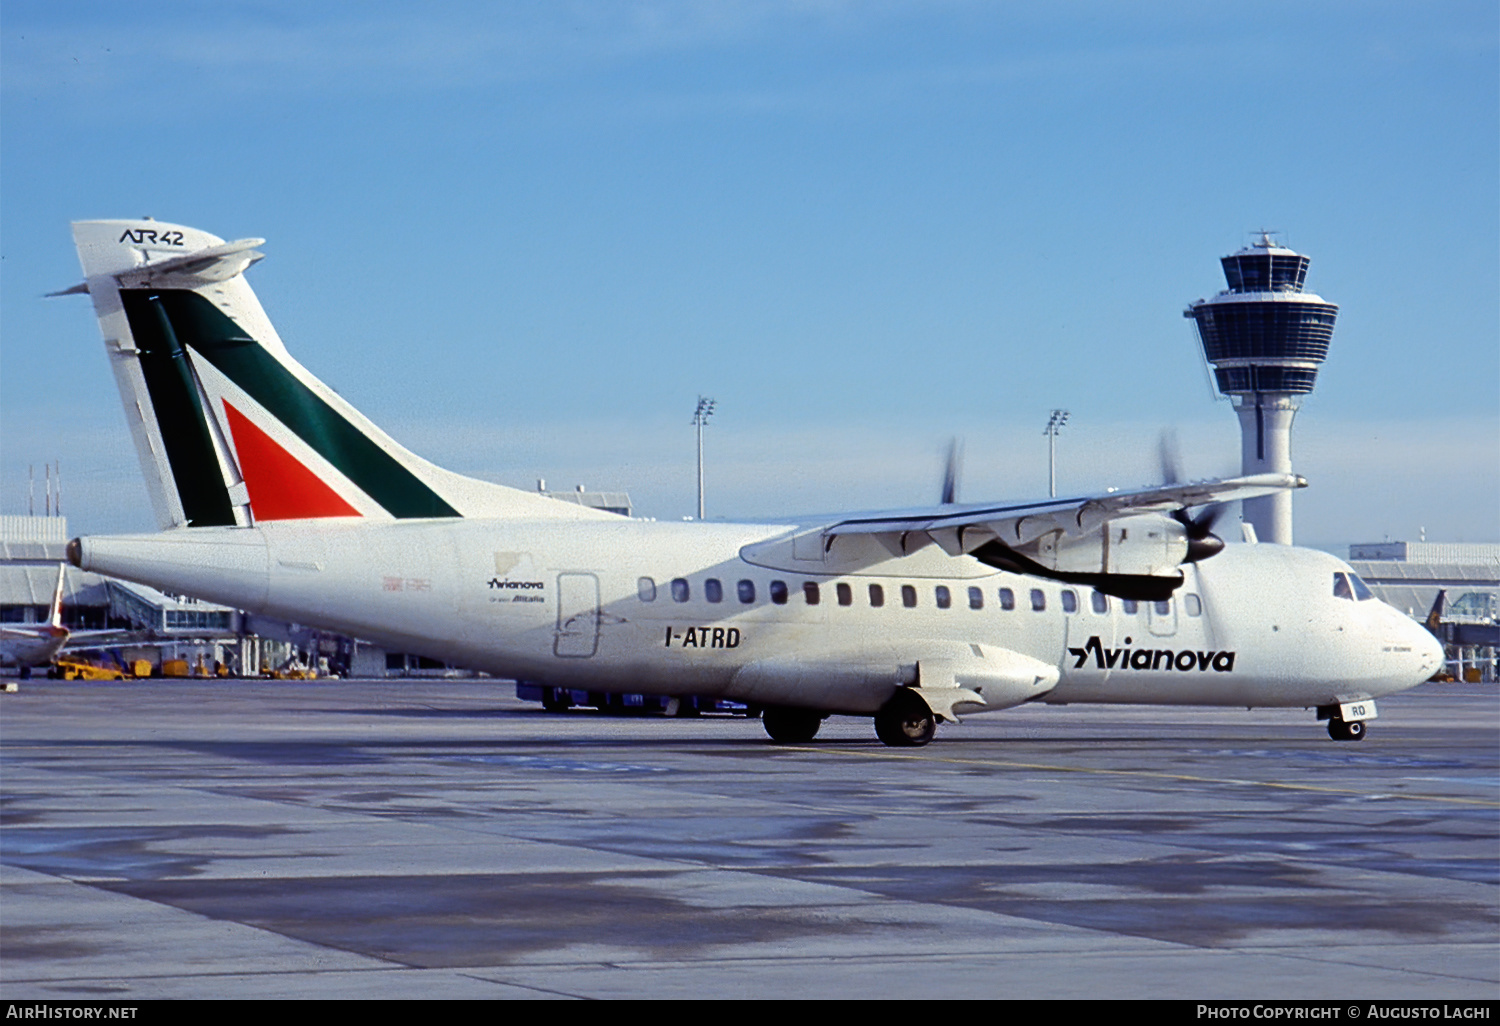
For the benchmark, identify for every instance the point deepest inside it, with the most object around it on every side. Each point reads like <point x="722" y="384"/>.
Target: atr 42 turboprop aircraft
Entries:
<point x="26" y="647"/>
<point x="277" y="496"/>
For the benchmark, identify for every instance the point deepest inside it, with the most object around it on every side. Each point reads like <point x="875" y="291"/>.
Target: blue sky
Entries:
<point x="525" y="237"/>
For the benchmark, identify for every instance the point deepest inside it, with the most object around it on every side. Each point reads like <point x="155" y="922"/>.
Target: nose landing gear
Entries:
<point x="1346" y="722"/>
<point x="1346" y="730"/>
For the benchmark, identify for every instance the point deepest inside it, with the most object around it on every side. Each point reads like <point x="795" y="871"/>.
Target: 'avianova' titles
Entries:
<point x="1151" y="658"/>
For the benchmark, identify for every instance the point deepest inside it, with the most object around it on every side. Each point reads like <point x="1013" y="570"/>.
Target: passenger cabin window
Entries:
<point x="1193" y="604"/>
<point x="1070" y="601"/>
<point x="845" y="594"/>
<point x="713" y="590"/>
<point x="1130" y="606"/>
<point x="1007" y="599"/>
<point x="778" y="592"/>
<point x="944" y="596"/>
<point x="680" y="590"/>
<point x="1164" y="608"/>
<point x="908" y="596"/>
<point x="1038" y="600"/>
<point x="1099" y="602"/>
<point x="645" y="588"/>
<point x="877" y="596"/>
<point x="976" y="598"/>
<point x="747" y="592"/>
<point x="810" y="592"/>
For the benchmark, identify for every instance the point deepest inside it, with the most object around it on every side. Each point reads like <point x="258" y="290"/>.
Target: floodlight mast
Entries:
<point x="1054" y="424"/>
<point x="700" y="418"/>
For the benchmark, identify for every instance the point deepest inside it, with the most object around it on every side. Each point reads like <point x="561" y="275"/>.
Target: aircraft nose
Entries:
<point x="1427" y="650"/>
<point x="1426" y="653"/>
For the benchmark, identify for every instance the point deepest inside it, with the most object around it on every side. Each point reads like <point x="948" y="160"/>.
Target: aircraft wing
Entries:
<point x="963" y="528"/>
<point x="1131" y="544"/>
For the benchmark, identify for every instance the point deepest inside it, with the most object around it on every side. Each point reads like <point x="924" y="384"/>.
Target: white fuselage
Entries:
<point x="725" y="609"/>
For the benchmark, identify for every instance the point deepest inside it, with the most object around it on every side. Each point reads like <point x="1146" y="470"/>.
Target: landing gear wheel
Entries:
<point x="905" y="721"/>
<point x="1351" y="730"/>
<point x="791" y="726"/>
<point x="556" y="700"/>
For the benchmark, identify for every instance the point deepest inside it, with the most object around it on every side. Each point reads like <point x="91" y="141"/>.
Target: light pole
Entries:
<point x="700" y="417"/>
<point x="1054" y="425"/>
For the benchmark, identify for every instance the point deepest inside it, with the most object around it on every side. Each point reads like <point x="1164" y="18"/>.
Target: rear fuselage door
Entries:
<point x="577" y="616"/>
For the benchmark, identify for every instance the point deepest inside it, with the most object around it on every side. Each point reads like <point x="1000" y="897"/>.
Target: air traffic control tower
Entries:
<point x="1265" y="338"/>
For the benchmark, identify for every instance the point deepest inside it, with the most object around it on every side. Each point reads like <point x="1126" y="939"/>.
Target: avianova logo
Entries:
<point x="1150" y="659"/>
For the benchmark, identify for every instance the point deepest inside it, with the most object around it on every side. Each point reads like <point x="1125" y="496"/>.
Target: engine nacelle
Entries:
<point x="1146" y="545"/>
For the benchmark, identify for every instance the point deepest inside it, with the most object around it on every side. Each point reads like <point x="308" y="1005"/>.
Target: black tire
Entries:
<point x="791" y="726"/>
<point x="905" y="721"/>
<point x="555" y="700"/>
<point x="1352" y="730"/>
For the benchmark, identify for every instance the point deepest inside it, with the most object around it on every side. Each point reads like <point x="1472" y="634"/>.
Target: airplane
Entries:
<point x="276" y="496"/>
<point x="26" y="647"/>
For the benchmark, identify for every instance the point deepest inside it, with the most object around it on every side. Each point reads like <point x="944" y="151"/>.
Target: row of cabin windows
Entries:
<point x="812" y="595"/>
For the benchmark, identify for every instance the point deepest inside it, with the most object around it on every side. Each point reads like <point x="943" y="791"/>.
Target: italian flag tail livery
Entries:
<point x="230" y="429"/>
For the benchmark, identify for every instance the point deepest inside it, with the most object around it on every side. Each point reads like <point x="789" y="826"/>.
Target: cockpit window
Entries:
<point x="1341" y="587"/>
<point x="1361" y="590"/>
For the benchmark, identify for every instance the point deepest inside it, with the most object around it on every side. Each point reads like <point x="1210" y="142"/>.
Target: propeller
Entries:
<point x="950" y="473"/>
<point x="1202" y="542"/>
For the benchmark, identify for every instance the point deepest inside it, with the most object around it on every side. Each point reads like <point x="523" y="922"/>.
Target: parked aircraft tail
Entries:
<point x="230" y="429"/>
<point x="54" y="615"/>
<point x="1434" y="619"/>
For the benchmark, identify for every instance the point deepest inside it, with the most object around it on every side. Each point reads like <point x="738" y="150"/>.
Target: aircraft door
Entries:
<point x="577" y="616"/>
<point x="1091" y="636"/>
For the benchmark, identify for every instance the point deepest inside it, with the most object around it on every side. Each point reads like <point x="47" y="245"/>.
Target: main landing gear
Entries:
<point x="791" y="726"/>
<point x="905" y="721"/>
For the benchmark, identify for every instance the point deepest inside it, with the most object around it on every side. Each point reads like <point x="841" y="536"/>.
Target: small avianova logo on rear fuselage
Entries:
<point x="1150" y="659"/>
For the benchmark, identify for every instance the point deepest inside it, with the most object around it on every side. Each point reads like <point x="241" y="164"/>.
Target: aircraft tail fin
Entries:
<point x="230" y="429"/>
<point x="54" y="616"/>
<point x="1435" y="614"/>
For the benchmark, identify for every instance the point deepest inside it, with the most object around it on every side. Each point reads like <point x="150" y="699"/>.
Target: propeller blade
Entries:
<point x="1171" y="458"/>
<point x="950" y="473"/>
